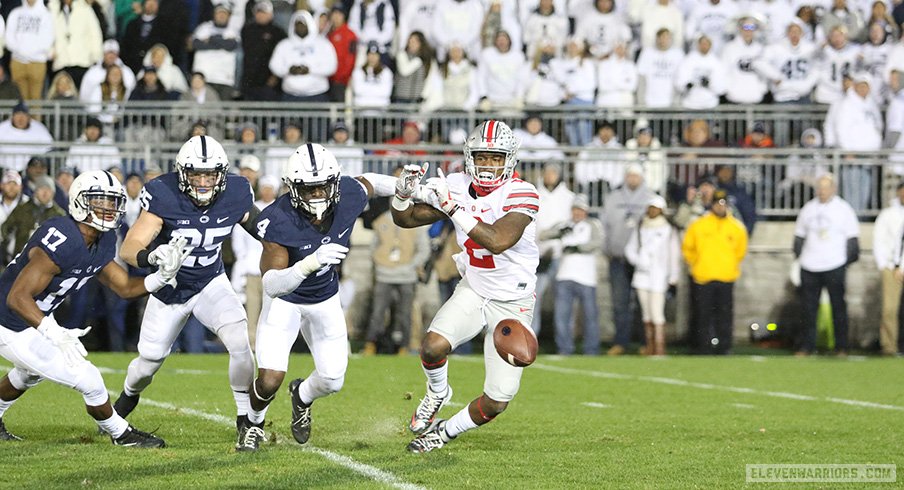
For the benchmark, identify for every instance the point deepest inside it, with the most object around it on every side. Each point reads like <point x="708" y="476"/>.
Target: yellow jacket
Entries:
<point x="714" y="248"/>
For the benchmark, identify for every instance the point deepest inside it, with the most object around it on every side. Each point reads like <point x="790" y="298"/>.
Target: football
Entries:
<point x="515" y="343"/>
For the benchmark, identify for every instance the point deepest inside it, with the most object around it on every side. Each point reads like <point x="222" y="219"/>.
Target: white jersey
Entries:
<point x="832" y="66"/>
<point x="512" y="274"/>
<point x="744" y="84"/>
<point x="789" y="68"/>
<point x="658" y="68"/>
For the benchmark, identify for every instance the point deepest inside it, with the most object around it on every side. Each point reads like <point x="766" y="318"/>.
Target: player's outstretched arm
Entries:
<point x="416" y="215"/>
<point x="33" y="279"/>
<point x="142" y="233"/>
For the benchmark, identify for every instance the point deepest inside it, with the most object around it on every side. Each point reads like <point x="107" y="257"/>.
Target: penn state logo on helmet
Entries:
<point x="491" y="137"/>
<point x="97" y="199"/>
<point x="202" y="165"/>
<point x="312" y="176"/>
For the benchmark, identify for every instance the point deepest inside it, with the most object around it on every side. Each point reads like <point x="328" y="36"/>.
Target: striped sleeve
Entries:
<point x="522" y="198"/>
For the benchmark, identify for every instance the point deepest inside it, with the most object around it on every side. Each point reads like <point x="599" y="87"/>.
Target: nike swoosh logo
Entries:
<point x="344" y="232"/>
<point x="484" y="210"/>
<point x="523" y="309"/>
<point x="220" y="220"/>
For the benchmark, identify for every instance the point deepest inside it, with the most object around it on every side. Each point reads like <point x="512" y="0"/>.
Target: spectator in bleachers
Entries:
<point x="501" y="74"/>
<point x="835" y="61"/>
<point x="63" y="181"/>
<point x="109" y="95"/>
<point x="276" y="156"/>
<point x="27" y="216"/>
<point x="167" y="72"/>
<point x="745" y="85"/>
<point x="499" y="15"/>
<point x="544" y="89"/>
<point x="701" y="77"/>
<point x="712" y="18"/>
<point x="199" y="91"/>
<point x="371" y="85"/>
<point x="536" y="145"/>
<point x="788" y="65"/>
<point x="826" y="241"/>
<point x="373" y="20"/>
<point x="149" y="86"/>
<point x="602" y="28"/>
<point x="738" y="197"/>
<point x="655" y="253"/>
<point x="555" y="207"/>
<point x="29" y="39"/>
<point x="134" y="183"/>
<point x="36" y="167"/>
<point x="595" y="172"/>
<point x="645" y="149"/>
<point x="11" y="194"/>
<point x="142" y="33"/>
<point x="417" y="78"/>
<point x="304" y="61"/>
<point x="850" y="18"/>
<point x="813" y="30"/>
<point x="98" y="72"/>
<point x="577" y="76"/>
<point x="888" y="233"/>
<point x="417" y="15"/>
<point x="18" y="135"/>
<point x="757" y="137"/>
<point x="714" y="247"/>
<point x="250" y="167"/>
<point x="349" y="155"/>
<point x="151" y="172"/>
<point x="657" y="67"/>
<point x="8" y="89"/>
<point x="579" y="239"/>
<point x="622" y="212"/>
<point x="777" y="16"/>
<point x="872" y="58"/>
<point x="698" y="200"/>
<point x="526" y="7"/>
<point x="259" y="39"/>
<point x="216" y="45"/>
<point x="78" y="39"/>
<point x="457" y="21"/>
<point x="460" y="91"/>
<point x="894" y="122"/>
<point x="802" y="171"/>
<point x="616" y="79"/>
<point x="92" y="150"/>
<point x="545" y="26"/>
<point x="879" y="14"/>
<point x="345" y="42"/>
<point x="854" y="124"/>
<point x="62" y="87"/>
<point x="247" y="135"/>
<point x="659" y="15"/>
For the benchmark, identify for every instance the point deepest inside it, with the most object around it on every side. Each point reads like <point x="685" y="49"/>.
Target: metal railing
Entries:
<point x="779" y="181"/>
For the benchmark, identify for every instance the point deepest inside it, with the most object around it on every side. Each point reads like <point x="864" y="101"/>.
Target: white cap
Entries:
<point x="111" y="45"/>
<point x="250" y="162"/>
<point x="634" y="168"/>
<point x="657" y="201"/>
<point x="268" y="181"/>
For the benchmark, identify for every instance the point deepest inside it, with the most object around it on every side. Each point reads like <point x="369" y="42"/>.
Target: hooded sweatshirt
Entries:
<point x="168" y="73"/>
<point x="29" y="33"/>
<point x="215" y="49"/>
<point x="312" y="51"/>
<point x="78" y="39"/>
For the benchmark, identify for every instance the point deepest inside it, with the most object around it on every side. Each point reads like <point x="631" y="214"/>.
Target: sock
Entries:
<point x="115" y="426"/>
<point x="437" y="375"/>
<point x="4" y="406"/>
<point x="242" y="402"/>
<point x="257" y="417"/>
<point x="460" y="422"/>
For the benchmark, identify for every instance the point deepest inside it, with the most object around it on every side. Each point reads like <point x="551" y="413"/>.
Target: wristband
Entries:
<point x="153" y="283"/>
<point x="464" y="221"/>
<point x="400" y="204"/>
<point x="142" y="258"/>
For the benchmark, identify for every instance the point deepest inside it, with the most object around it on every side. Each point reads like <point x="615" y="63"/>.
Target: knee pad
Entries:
<point x="91" y="385"/>
<point x="235" y="337"/>
<point x="333" y="385"/>
<point x="23" y="380"/>
<point x="153" y="352"/>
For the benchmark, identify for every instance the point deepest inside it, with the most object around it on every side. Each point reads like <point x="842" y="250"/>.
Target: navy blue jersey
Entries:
<point x="282" y="224"/>
<point x="61" y="239"/>
<point x="205" y="228"/>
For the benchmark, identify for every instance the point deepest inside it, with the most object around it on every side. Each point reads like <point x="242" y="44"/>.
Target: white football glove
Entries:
<point x="65" y="339"/>
<point x="329" y="254"/>
<point x="410" y="178"/>
<point x="169" y="257"/>
<point x="441" y="188"/>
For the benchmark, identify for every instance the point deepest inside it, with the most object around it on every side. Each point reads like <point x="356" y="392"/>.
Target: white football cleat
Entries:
<point x="426" y="411"/>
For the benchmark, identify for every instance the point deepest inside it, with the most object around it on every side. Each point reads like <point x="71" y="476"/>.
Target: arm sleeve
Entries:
<point x="384" y="185"/>
<point x="281" y="282"/>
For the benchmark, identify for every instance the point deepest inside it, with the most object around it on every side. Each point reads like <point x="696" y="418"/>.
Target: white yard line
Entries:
<point x="745" y="406"/>
<point x="596" y="405"/>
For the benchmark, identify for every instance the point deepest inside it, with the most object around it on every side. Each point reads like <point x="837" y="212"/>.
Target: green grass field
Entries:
<point x="677" y="422"/>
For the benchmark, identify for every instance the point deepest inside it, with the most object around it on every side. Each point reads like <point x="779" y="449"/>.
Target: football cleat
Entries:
<point x="426" y="411"/>
<point x="125" y="404"/>
<point x="133" y="437"/>
<point x="5" y="435"/>
<point x="434" y="438"/>
<point x="301" y="414"/>
<point x="250" y="435"/>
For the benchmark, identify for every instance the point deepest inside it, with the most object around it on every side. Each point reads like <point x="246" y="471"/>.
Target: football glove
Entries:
<point x="409" y="179"/>
<point x="169" y="257"/>
<point x="441" y="188"/>
<point x="65" y="339"/>
<point x="329" y="254"/>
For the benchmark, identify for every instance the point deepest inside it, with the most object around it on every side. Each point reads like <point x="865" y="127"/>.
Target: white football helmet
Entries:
<point x="312" y="176"/>
<point x="97" y="195"/>
<point x="202" y="155"/>
<point x="491" y="136"/>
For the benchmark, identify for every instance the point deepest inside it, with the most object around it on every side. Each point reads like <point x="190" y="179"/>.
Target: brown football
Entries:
<point x="515" y="343"/>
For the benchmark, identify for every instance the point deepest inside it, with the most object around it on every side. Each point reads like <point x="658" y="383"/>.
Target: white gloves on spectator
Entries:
<point x="66" y="339"/>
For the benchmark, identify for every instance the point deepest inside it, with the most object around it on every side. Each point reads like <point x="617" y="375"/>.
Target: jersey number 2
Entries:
<point x="480" y="257"/>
